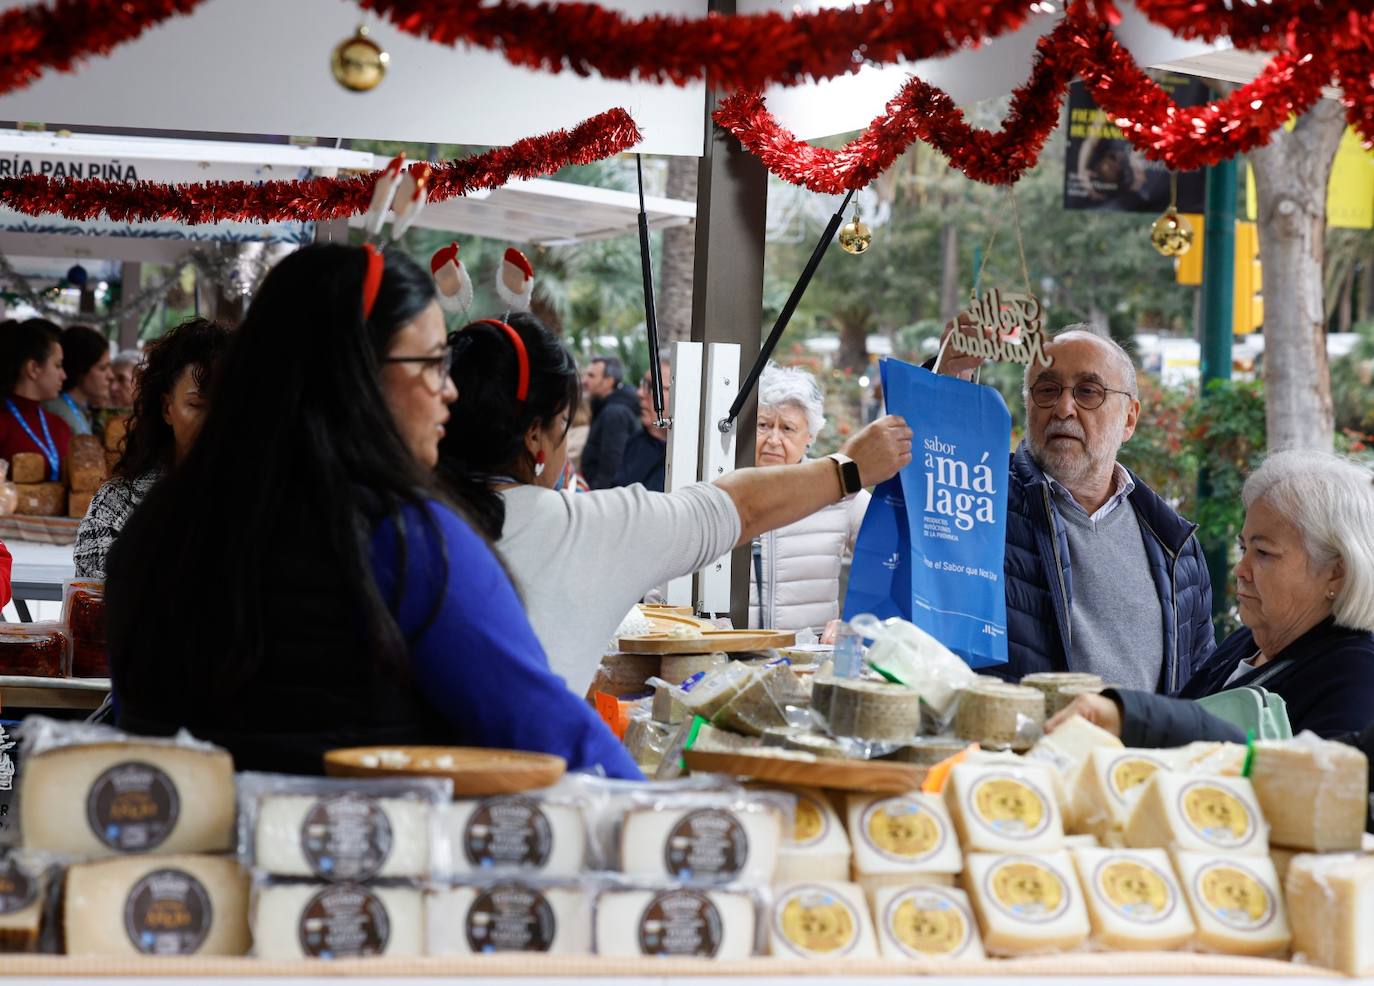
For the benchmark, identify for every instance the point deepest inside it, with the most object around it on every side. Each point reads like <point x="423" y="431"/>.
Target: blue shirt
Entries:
<point x="478" y="661"/>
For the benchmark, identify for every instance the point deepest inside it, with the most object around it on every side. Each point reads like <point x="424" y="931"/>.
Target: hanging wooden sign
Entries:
<point x="1003" y="326"/>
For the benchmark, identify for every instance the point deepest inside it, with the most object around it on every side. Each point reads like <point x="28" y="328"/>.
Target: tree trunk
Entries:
<point x="1291" y="174"/>
<point x="853" y="354"/>
<point x="949" y="271"/>
<point x="1345" y="307"/>
<point x="1366" y="280"/>
<point x="679" y="247"/>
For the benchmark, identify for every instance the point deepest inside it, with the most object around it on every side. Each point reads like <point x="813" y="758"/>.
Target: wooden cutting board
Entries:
<point x="666" y="618"/>
<point x="868" y="776"/>
<point x="475" y="772"/>
<point x="706" y="642"/>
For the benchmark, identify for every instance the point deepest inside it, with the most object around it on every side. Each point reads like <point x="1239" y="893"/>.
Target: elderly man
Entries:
<point x="1101" y="574"/>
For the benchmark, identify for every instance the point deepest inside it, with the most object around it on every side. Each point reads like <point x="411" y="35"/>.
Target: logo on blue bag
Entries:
<point x="956" y="491"/>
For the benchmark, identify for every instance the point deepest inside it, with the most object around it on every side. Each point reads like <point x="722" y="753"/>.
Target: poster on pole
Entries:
<point x="1103" y="171"/>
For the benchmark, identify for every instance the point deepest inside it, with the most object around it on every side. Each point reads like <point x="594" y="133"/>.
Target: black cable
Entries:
<point x="650" y="315"/>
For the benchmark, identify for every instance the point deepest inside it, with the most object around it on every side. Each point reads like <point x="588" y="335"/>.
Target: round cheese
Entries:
<point x="675" y="923"/>
<point x="1027" y="904"/>
<point x="511" y="916"/>
<point x="1134" y="901"/>
<point x="925" y="922"/>
<point x="907" y="833"/>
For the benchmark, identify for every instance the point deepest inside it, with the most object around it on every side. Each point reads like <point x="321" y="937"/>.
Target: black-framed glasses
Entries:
<point x="1087" y="395"/>
<point x="434" y="368"/>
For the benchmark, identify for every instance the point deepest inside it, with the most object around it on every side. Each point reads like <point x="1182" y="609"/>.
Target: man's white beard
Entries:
<point x="1071" y="463"/>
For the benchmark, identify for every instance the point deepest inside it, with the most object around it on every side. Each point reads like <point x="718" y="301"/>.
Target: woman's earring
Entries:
<point x="1330" y="595"/>
<point x="539" y="464"/>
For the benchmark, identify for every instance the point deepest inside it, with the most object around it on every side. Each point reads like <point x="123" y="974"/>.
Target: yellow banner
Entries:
<point x="1350" y="192"/>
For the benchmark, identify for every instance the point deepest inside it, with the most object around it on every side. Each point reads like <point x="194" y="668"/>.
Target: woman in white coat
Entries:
<point x="795" y="582"/>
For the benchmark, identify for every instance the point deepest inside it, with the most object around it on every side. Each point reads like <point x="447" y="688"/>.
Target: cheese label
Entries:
<point x="17" y="889"/>
<point x="508" y="832"/>
<point x="1026" y="890"/>
<point x="346" y="838"/>
<point x="709" y="844"/>
<point x="1129" y="772"/>
<point x="1234" y="896"/>
<point x="510" y="917"/>
<point x="903" y="830"/>
<point x="168" y="912"/>
<point x="680" y="922"/>
<point x="812" y="824"/>
<point x="1215" y="815"/>
<point x="345" y="921"/>
<point x="1009" y="806"/>
<point x="1134" y="889"/>
<point x="924" y="921"/>
<point x="132" y="807"/>
<point x="814" y="921"/>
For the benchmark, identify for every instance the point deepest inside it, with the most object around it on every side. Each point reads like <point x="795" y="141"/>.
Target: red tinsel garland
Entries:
<point x="39" y="37"/>
<point x="315" y="199"/>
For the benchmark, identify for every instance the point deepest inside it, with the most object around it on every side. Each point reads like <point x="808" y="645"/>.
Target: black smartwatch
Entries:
<point x="849" y="473"/>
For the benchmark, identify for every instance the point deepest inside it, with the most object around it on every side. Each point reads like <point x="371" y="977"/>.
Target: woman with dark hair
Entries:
<point x="583" y="560"/>
<point x="172" y="396"/>
<point x="294" y="585"/>
<point x="31" y="373"/>
<point x="86" y="361"/>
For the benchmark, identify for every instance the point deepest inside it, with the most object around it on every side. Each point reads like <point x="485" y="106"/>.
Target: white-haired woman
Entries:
<point x="1305" y="586"/>
<point x="795" y="583"/>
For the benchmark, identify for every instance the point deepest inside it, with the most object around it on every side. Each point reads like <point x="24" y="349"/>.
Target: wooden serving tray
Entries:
<point x="666" y="618"/>
<point x="866" y="776"/>
<point x="475" y="772"/>
<point x="706" y="642"/>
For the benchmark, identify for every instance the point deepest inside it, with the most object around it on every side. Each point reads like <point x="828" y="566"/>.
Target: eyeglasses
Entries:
<point x="1088" y="396"/>
<point x="435" y="369"/>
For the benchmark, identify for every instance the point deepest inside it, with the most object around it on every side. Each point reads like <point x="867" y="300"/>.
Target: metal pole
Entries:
<point x="650" y="312"/>
<point x="1218" y="275"/>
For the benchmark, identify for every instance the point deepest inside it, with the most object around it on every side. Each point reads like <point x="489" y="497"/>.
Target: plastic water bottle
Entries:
<point x="849" y="652"/>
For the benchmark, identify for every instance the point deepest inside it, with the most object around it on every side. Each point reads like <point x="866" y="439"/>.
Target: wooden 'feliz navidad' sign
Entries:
<point x="1002" y="326"/>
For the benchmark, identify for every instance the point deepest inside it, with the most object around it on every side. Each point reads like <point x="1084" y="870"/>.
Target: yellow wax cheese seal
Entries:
<point x="1027" y="890"/>
<point x="1131" y="772"/>
<point x="928" y="924"/>
<point x="1135" y="890"/>
<point x="1216" y="815"/>
<point x="903" y="829"/>
<point x="810" y="822"/>
<point x="817" y="922"/>
<point x="1009" y="806"/>
<point x="1234" y="896"/>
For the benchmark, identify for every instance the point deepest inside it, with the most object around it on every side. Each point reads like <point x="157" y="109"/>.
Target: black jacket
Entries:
<point x="645" y="461"/>
<point x="1327" y="680"/>
<point x="614" y="419"/>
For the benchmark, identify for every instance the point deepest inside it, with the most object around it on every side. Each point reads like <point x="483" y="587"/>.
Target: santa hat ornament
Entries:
<point x="383" y="191"/>
<point x="515" y="281"/>
<point x="412" y="192"/>
<point x="451" y="280"/>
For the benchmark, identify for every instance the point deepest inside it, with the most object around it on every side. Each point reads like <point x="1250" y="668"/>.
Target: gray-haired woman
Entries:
<point x="1305" y="585"/>
<point x="796" y="579"/>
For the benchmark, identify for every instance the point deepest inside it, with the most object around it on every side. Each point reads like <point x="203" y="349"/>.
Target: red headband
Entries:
<point x="372" y="280"/>
<point x="522" y="386"/>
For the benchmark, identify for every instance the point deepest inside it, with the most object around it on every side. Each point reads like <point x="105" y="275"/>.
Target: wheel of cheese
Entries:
<point x="926" y="922"/>
<point x="874" y="710"/>
<point x="102" y="799"/>
<point x="676" y="923"/>
<point x="509" y="916"/>
<point x="996" y="714"/>
<point x="814" y="919"/>
<point x="1000" y="807"/>
<point x="1026" y="904"/>
<point x="156" y="905"/>
<point x="1236" y="903"/>
<point x="515" y="832"/>
<point x="1134" y="900"/>
<point x="345" y="837"/>
<point x="337" y="921"/>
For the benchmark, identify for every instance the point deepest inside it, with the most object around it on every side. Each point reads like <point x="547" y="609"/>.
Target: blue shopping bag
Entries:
<point x="943" y="568"/>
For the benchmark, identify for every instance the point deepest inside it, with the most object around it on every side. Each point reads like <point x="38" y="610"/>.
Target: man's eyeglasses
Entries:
<point x="1086" y="395"/>
<point x="435" y="369"/>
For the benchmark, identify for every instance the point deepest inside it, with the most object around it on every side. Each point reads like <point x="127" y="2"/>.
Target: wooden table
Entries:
<point x="18" y="692"/>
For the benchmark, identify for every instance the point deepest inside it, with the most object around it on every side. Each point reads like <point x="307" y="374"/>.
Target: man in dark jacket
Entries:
<point x="646" y="453"/>
<point x="1101" y="574"/>
<point x="615" y="417"/>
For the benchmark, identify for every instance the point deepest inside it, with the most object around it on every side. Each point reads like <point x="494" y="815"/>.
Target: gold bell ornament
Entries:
<point x="855" y="236"/>
<point x="1171" y="234"/>
<point x="359" y="63"/>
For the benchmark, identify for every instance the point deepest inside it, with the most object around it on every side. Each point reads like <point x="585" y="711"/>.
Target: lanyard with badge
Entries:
<point x="81" y="425"/>
<point x="48" y="447"/>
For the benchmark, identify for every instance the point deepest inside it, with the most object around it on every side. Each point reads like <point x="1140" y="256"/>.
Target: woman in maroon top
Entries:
<point x="31" y="373"/>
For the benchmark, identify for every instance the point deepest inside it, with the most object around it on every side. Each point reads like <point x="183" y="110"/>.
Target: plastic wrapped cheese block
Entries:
<point x="924" y="922"/>
<point x="818" y="848"/>
<point x="676" y="923"/>
<point x="1107" y="786"/>
<point x="1331" y="905"/>
<point x="509" y="916"/>
<point x="156" y="905"/>
<point x="902" y="834"/>
<point x="815" y="919"/>
<point x="1134" y="901"/>
<point x="515" y="832"/>
<point x="1026" y="904"/>
<point x="1202" y="814"/>
<point x="1236" y="902"/>
<point x="1068" y="747"/>
<point x="336" y="921"/>
<point x="101" y="799"/>
<point x="342" y="837"/>
<point x="1314" y="793"/>
<point x="1004" y="808"/>
<point x="22" y="896"/>
<point x="710" y="839"/>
